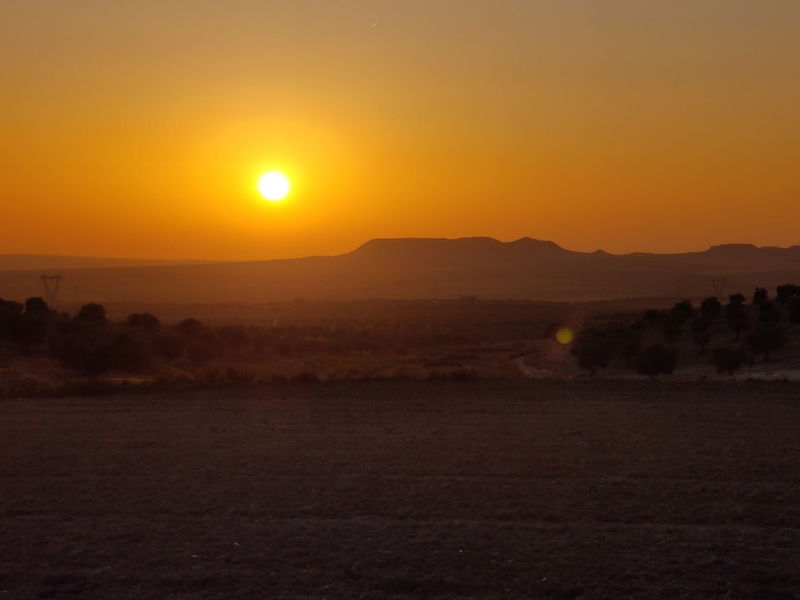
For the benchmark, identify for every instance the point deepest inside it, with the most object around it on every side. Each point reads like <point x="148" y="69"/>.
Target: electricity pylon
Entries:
<point x="51" y="284"/>
<point x="718" y="285"/>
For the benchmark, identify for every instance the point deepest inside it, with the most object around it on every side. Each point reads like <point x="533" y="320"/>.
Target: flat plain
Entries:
<point x="479" y="489"/>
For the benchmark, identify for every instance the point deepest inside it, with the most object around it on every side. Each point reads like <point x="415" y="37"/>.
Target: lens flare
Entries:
<point x="564" y="336"/>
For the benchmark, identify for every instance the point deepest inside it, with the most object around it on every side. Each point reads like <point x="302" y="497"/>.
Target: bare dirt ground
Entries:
<point x="405" y="490"/>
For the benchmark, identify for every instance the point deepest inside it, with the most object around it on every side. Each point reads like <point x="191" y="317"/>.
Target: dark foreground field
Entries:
<point x="405" y="490"/>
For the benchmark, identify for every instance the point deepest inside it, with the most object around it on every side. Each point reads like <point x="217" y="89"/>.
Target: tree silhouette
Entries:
<point x="683" y="310"/>
<point x="736" y="317"/>
<point x="36" y="305"/>
<point x="26" y="329"/>
<point x="794" y="309"/>
<point x="769" y="312"/>
<point x="786" y="292"/>
<point x="736" y="299"/>
<point x="759" y="296"/>
<point x="702" y="337"/>
<point x="10" y="308"/>
<point x="91" y="313"/>
<point x="710" y="308"/>
<point x="10" y="313"/>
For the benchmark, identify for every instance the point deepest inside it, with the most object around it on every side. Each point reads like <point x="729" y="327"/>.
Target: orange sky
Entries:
<point x="138" y="129"/>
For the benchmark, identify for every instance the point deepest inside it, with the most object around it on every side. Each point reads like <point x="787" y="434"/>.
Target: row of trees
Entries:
<point x="653" y="344"/>
<point x="89" y="343"/>
<point x="92" y="344"/>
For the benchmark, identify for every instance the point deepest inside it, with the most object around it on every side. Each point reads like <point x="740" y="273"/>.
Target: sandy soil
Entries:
<point x="527" y="489"/>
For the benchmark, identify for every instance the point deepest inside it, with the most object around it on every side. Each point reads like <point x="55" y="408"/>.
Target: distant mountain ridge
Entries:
<point x="17" y="262"/>
<point x="428" y="268"/>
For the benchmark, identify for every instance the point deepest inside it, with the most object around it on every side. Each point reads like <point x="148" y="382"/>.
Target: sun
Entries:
<point x="274" y="186"/>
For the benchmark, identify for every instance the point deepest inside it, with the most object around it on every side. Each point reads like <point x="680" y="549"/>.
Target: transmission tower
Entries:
<point x="718" y="285"/>
<point x="51" y="284"/>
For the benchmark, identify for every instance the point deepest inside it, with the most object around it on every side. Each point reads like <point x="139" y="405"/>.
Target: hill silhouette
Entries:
<point x="24" y="262"/>
<point x="427" y="268"/>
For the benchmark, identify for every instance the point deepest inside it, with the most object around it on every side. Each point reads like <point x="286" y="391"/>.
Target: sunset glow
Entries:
<point x="624" y="126"/>
<point x="399" y="298"/>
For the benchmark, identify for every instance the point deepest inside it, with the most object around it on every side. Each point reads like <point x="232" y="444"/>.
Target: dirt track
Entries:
<point x="405" y="490"/>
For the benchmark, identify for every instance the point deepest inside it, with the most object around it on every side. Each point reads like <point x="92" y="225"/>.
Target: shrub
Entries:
<point x="144" y="321"/>
<point x="766" y="339"/>
<point x="128" y="354"/>
<point x="234" y="375"/>
<point x="234" y="336"/>
<point x="27" y="330"/>
<point x="652" y="316"/>
<point x="463" y="375"/>
<point x="200" y="354"/>
<point x="628" y="351"/>
<point x="306" y="377"/>
<point x="88" y="354"/>
<point x="638" y="326"/>
<point x="592" y="355"/>
<point x="259" y="340"/>
<point x="657" y="360"/>
<point x="168" y="345"/>
<point x="211" y="375"/>
<point x="189" y="327"/>
<point x="730" y="360"/>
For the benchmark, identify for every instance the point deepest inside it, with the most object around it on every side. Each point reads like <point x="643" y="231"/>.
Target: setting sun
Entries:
<point x="274" y="186"/>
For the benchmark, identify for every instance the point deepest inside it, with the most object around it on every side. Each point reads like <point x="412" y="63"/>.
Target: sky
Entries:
<point x="139" y="129"/>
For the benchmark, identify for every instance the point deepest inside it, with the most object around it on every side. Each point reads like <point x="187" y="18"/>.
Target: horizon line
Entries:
<point x="363" y="244"/>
